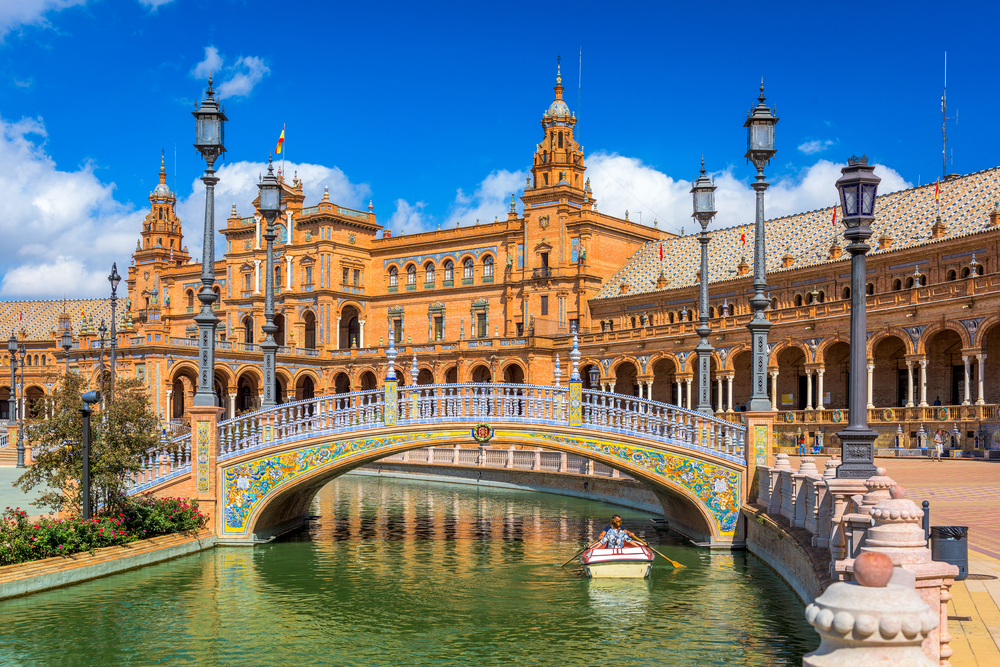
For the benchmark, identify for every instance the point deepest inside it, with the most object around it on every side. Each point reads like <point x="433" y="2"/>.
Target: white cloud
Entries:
<point x="243" y="76"/>
<point x="238" y="185"/>
<point x="816" y="146"/>
<point x="15" y="13"/>
<point x="621" y="183"/>
<point x="154" y="4"/>
<point x="490" y="200"/>
<point x="408" y="218"/>
<point x="61" y="229"/>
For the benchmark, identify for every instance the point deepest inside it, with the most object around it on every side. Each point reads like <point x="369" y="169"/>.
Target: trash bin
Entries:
<point x="950" y="544"/>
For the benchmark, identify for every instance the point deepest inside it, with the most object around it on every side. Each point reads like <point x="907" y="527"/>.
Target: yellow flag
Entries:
<point x="281" y="141"/>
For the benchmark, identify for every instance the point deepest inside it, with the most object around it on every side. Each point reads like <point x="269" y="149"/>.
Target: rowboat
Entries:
<point x="630" y="561"/>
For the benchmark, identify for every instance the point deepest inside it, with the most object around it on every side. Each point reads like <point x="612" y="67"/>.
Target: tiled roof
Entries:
<point x="907" y="216"/>
<point x="39" y="318"/>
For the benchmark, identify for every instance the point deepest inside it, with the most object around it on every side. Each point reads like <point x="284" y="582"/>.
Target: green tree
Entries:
<point x="122" y="430"/>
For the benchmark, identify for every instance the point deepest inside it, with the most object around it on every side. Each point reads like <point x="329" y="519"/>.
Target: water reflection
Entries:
<point x="398" y="572"/>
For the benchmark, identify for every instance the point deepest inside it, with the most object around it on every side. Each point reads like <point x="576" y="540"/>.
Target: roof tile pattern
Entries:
<point x="907" y="216"/>
<point x="39" y="318"/>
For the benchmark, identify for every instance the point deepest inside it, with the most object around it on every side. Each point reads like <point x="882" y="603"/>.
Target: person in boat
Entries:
<point x="614" y="536"/>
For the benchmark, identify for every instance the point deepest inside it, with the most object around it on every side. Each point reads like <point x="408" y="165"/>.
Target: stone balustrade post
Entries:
<point x="871" y="622"/>
<point x="510" y="457"/>
<point x="562" y="462"/>
<point x="787" y="507"/>
<point x="763" y="485"/>
<point x="780" y="464"/>
<point x="204" y="453"/>
<point x="537" y="465"/>
<point x="898" y="534"/>
<point x="807" y="470"/>
<point x="456" y="456"/>
<point x="590" y="466"/>
<point x="824" y="506"/>
<point x="840" y="490"/>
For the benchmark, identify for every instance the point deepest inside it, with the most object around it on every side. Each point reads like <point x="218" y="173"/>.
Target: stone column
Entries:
<point x="288" y="267"/>
<point x="169" y="411"/>
<point x="611" y="387"/>
<point x="871" y="371"/>
<point x="649" y="389"/>
<point x="290" y="228"/>
<point x="729" y="393"/>
<point x="819" y="388"/>
<point x="923" y="383"/>
<point x="965" y="396"/>
<point x="256" y="276"/>
<point x="232" y="404"/>
<point x="361" y="333"/>
<point x="204" y="451"/>
<point x="680" y="394"/>
<point x="718" y="392"/>
<point x="688" y="392"/>
<point x="981" y="399"/>
<point x="909" y="383"/>
<point x="774" y="391"/>
<point x="809" y="389"/>
<point x="256" y="232"/>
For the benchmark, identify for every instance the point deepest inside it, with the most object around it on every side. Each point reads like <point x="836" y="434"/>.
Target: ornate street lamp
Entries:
<point x="114" y="279"/>
<point x="210" y="142"/>
<point x="270" y="207"/>
<point x="102" y="330"/>
<point x="12" y="399"/>
<point x="760" y="149"/>
<point x="594" y="375"/>
<point x="24" y="408"/>
<point x="858" y="187"/>
<point x="703" y="192"/>
<point x="67" y="342"/>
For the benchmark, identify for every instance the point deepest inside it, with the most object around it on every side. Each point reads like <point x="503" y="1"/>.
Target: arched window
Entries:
<point x="449" y="270"/>
<point x="965" y="272"/>
<point x="897" y="285"/>
<point x="411" y="275"/>
<point x="798" y="299"/>
<point x="190" y="299"/>
<point x="909" y="282"/>
<point x="488" y="267"/>
<point x="633" y="323"/>
<point x="809" y="298"/>
<point x="822" y="296"/>
<point x="980" y="269"/>
<point x="248" y="330"/>
<point x="846" y="292"/>
<point x="711" y="311"/>
<point x="690" y="315"/>
<point x="277" y="277"/>
<point x="429" y="272"/>
<point x="393" y="276"/>
<point x="670" y="318"/>
<point x="43" y="360"/>
<point x="951" y="275"/>
<point x="870" y="288"/>
<point x="467" y="269"/>
<point x="922" y="280"/>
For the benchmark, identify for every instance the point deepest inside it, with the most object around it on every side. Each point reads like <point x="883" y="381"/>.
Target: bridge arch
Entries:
<point x="267" y="494"/>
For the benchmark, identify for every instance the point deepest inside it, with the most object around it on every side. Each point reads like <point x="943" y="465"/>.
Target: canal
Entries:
<point x="398" y="572"/>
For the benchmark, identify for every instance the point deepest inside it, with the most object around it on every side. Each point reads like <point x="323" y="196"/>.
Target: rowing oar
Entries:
<point x="672" y="562"/>
<point x="578" y="553"/>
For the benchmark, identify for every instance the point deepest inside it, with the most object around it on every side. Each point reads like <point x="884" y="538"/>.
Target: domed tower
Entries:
<point x="558" y="158"/>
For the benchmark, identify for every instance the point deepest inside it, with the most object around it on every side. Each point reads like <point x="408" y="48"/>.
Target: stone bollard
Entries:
<point x="800" y="500"/>
<point x="871" y="622"/>
<point x="824" y="505"/>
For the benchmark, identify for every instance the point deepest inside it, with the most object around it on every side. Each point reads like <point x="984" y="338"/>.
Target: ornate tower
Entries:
<point x="162" y="237"/>
<point x="558" y="158"/>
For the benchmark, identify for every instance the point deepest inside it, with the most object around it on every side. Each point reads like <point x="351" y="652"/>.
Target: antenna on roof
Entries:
<point x="944" y="125"/>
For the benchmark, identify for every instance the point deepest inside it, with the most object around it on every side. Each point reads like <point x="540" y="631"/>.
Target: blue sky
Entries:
<point x="432" y="111"/>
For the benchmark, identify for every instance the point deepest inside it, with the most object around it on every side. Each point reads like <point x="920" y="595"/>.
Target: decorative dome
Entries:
<point x="162" y="190"/>
<point x="558" y="108"/>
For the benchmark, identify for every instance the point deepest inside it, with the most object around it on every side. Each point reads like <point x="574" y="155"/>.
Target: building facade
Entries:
<point x="497" y="302"/>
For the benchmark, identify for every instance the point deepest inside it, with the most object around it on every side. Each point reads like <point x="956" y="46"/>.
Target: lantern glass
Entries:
<point x="849" y="199"/>
<point x="761" y="136"/>
<point x="114" y="278"/>
<point x="12" y="344"/>
<point x="270" y="198"/>
<point x="595" y="376"/>
<point x="208" y="129"/>
<point x="868" y="199"/>
<point x="704" y="201"/>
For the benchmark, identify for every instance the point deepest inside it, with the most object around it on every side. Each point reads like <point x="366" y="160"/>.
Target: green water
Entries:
<point x="396" y="572"/>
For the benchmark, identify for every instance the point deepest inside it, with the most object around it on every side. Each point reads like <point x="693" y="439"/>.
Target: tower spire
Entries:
<point x="163" y="169"/>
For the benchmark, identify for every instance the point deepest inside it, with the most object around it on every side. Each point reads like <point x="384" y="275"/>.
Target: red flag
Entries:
<point x="937" y="190"/>
<point x="661" y="252"/>
<point x="834" y="216"/>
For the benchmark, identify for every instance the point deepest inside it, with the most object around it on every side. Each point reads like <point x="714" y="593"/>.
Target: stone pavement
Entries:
<point x="976" y="641"/>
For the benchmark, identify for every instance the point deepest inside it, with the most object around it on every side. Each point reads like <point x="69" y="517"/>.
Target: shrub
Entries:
<point x="23" y="540"/>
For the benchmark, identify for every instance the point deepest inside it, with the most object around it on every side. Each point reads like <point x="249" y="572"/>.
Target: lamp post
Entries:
<point x="270" y="207"/>
<point x="703" y="192"/>
<point x="858" y="187"/>
<point x="20" y="413"/>
<point x="210" y="142"/>
<point x="67" y="343"/>
<point x="12" y="398"/>
<point x="101" y="330"/>
<point x="114" y="279"/>
<point x="760" y="149"/>
<point x="89" y="399"/>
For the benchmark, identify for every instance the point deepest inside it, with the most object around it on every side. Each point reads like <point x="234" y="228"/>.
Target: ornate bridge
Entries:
<point x="258" y="473"/>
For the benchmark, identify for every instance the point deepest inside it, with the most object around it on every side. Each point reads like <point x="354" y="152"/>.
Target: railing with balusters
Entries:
<point x="170" y="458"/>
<point x="476" y="402"/>
<point x="542" y="460"/>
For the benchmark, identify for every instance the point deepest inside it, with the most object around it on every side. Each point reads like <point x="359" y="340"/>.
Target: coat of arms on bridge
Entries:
<point x="482" y="433"/>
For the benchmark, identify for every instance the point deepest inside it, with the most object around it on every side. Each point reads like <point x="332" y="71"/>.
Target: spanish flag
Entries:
<point x="835" y="215"/>
<point x="937" y="190"/>
<point x="281" y="141"/>
<point x="743" y="235"/>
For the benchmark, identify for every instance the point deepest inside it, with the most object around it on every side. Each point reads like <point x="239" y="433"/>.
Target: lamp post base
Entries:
<point x="857" y="453"/>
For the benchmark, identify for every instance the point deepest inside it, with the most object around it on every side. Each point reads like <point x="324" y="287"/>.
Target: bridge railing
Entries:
<point x="497" y="403"/>
<point x="170" y="458"/>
